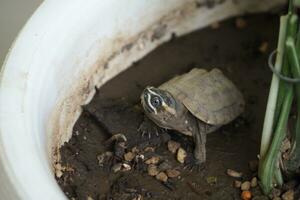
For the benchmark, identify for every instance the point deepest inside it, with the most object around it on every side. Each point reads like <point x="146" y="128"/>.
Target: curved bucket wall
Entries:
<point x="67" y="49"/>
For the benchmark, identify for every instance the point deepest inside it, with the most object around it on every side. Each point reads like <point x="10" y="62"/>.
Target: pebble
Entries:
<point x="58" y="170"/>
<point x="129" y="156"/>
<point x="245" y="186"/>
<point x="102" y="157"/>
<point x="121" y="167"/>
<point x="149" y="149"/>
<point x="276" y="198"/>
<point x="58" y="173"/>
<point x="172" y="173"/>
<point x="181" y="155"/>
<point x="240" y="23"/>
<point x="117" y="167"/>
<point x="237" y="184"/>
<point x="152" y="170"/>
<point x="152" y="160"/>
<point x="138" y="197"/>
<point x="246" y="195"/>
<point x="173" y="146"/>
<point x="89" y="198"/>
<point x="211" y="180"/>
<point x="162" y="177"/>
<point x="126" y="167"/>
<point x="254" y="182"/>
<point x="289" y="195"/>
<point x="234" y="173"/>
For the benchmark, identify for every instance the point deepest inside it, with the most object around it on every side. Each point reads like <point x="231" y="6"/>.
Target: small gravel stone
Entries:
<point x="173" y="146"/>
<point x="237" y="184"/>
<point x="138" y="197"/>
<point x="289" y="195"/>
<point x="172" y="173"/>
<point x="162" y="177"/>
<point x="245" y="186"/>
<point x="246" y="195"/>
<point x="152" y="160"/>
<point x="121" y="167"/>
<point x="117" y="167"/>
<point x="89" y="198"/>
<point x="254" y="182"/>
<point x="212" y="180"/>
<point x="234" y="173"/>
<point x="149" y="149"/>
<point x="152" y="170"/>
<point x="103" y="157"/>
<point x="181" y="155"/>
<point x="129" y="156"/>
<point x="58" y="173"/>
<point x="125" y="167"/>
<point x="58" y="170"/>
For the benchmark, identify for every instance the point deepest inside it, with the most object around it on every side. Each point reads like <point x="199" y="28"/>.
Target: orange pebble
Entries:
<point x="246" y="195"/>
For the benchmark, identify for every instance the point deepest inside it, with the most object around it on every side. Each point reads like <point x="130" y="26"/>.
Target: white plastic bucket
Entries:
<point x="64" y="51"/>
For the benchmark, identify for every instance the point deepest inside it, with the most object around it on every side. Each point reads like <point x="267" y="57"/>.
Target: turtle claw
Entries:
<point x="149" y="129"/>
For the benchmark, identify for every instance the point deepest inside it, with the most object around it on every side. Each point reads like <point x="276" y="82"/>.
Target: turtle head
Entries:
<point x="158" y="103"/>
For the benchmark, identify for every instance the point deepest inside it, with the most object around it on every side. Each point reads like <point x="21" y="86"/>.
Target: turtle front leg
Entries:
<point x="200" y="145"/>
<point x="200" y="140"/>
<point x="199" y="132"/>
<point x="149" y="128"/>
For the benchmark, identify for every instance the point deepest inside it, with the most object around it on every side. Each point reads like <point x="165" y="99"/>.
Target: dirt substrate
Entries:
<point x="241" y="53"/>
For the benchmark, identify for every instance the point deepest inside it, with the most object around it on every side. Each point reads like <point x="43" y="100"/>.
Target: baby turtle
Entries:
<point x="195" y="103"/>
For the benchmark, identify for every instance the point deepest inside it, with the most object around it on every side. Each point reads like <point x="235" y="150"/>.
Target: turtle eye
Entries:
<point x="155" y="101"/>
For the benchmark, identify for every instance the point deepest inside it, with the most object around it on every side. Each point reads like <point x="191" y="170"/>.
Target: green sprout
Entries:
<point x="284" y="86"/>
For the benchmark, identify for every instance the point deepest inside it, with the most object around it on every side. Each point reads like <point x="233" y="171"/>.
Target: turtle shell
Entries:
<point x="210" y="96"/>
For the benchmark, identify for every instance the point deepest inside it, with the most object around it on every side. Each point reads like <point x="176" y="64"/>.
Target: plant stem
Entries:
<point x="272" y="100"/>
<point x="291" y="33"/>
<point x="268" y="164"/>
<point x="294" y="161"/>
